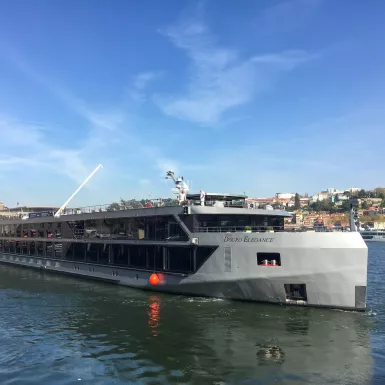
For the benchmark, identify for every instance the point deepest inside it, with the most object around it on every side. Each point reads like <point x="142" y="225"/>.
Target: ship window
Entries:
<point x="32" y="248"/>
<point x="276" y="222"/>
<point x="104" y="253"/>
<point x="68" y="251"/>
<point x="79" y="251"/>
<point x="158" y="258"/>
<point x="223" y="223"/>
<point x="180" y="259"/>
<point x="176" y="233"/>
<point x="92" y="252"/>
<point x="120" y="254"/>
<point x="58" y="250"/>
<point x="18" y="231"/>
<point x="48" y="249"/>
<point x="137" y="256"/>
<point x="39" y="249"/>
<point x="269" y="259"/>
<point x="24" y="248"/>
<point x="146" y="228"/>
<point x="295" y="292"/>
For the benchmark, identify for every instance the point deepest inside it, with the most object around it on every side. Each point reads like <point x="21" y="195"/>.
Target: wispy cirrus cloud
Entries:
<point x="220" y="79"/>
<point x="108" y="137"/>
<point x="109" y="119"/>
<point x="286" y="16"/>
<point x="143" y="79"/>
<point x="139" y="84"/>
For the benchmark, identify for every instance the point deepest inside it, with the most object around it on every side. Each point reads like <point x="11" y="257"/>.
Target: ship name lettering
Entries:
<point x="246" y="238"/>
<point x="265" y="240"/>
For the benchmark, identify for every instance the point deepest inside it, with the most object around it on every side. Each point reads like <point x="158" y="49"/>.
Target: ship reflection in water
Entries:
<point x="105" y="334"/>
<point x="153" y="314"/>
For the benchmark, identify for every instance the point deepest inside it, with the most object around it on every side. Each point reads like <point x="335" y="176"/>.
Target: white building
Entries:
<point x="334" y="191"/>
<point x="320" y="196"/>
<point x="284" y="195"/>
<point x="354" y="189"/>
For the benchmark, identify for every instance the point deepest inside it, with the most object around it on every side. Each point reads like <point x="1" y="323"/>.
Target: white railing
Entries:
<point x="253" y="229"/>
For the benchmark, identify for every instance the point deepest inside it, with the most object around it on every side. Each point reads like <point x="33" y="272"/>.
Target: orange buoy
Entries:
<point x="154" y="279"/>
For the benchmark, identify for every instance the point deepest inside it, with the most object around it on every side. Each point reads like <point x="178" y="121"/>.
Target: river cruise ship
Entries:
<point x="214" y="246"/>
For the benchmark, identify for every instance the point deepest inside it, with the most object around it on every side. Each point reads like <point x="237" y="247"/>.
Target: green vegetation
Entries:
<point x="372" y="218"/>
<point x="297" y="202"/>
<point x="325" y="205"/>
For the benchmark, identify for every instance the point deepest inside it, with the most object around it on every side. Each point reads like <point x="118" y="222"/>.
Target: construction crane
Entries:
<point x="59" y="212"/>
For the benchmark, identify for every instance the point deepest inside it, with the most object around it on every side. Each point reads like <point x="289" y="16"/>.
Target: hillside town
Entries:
<point x="327" y="208"/>
<point x="330" y="207"/>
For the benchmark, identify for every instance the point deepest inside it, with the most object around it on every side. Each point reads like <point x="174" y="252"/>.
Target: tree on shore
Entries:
<point x="362" y="194"/>
<point x="297" y="202"/>
<point x="380" y="192"/>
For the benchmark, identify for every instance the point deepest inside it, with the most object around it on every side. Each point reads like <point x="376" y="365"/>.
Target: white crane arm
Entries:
<point x="58" y="213"/>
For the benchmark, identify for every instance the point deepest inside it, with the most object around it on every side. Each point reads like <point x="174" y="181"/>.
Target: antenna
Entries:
<point x="58" y="213"/>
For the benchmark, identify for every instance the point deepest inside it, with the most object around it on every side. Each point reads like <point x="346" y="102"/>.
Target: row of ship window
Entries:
<point x="148" y="228"/>
<point x="151" y="228"/>
<point x="174" y="259"/>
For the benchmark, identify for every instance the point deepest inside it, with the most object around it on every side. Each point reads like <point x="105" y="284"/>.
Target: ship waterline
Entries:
<point x="197" y="250"/>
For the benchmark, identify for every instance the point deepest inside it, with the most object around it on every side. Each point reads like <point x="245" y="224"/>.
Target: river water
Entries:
<point x="60" y="330"/>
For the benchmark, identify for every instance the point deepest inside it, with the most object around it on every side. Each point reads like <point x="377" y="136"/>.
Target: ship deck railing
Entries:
<point x="82" y="234"/>
<point x="150" y="203"/>
<point x="255" y="229"/>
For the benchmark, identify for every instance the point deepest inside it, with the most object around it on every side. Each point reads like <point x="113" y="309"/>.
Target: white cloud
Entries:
<point x="219" y="78"/>
<point x="28" y="145"/>
<point x="143" y="79"/>
<point x="109" y="137"/>
<point x="140" y="83"/>
<point x="286" y="16"/>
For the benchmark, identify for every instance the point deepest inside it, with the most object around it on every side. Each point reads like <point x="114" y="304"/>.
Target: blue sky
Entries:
<point x="256" y="96"/>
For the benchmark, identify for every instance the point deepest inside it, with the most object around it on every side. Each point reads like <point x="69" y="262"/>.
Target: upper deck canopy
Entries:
<point x="217" y="197"/>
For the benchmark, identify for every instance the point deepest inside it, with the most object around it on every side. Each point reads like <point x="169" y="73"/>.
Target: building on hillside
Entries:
<point x="353" y="190"/>
<point x="373" y="201"/>
<point x="342" y="197"/>
<point x="260" y="202"/>
<point x="304" y="201"/>
<point x="2" y="206"/>
<point x="284" y="195"/>
<point x="333" y="191"/>
<point x="18" y="212"/>
<point x="320" y="196"/>
<point x="283" y="203"/>
<point x="32" y="209"/>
